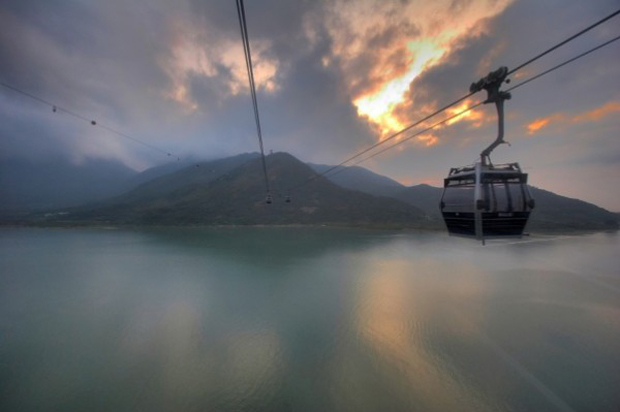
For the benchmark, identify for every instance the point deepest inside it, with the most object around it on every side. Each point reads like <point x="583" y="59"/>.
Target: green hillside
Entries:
<point x="236" y="196"/>
<point x="360" y="179"/>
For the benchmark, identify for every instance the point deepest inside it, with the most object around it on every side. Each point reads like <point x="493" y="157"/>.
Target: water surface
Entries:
<point x="290" y="319"/>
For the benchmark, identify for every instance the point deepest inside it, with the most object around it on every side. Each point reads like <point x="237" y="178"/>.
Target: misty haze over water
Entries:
<point x="289" y="319"/>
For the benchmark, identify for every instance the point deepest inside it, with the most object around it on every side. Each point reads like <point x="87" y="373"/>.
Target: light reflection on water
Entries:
<point x="306" y="319"/>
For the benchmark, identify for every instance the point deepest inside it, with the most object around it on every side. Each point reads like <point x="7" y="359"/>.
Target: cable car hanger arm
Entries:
<point x="491" y="83"/>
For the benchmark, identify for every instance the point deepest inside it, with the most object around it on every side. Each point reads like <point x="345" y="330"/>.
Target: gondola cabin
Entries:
<point x="486" y="201"/>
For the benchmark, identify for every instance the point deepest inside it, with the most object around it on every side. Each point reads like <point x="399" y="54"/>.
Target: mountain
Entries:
<point x="361" y="179"/>
<point x="161" y="170"/>
<point x="231" y="191"/>
<point x="217" y="193"/>
<point x="58" y="183"/>
<point x="554" y="211"/>
<point x="193" y="174"/>
<point x="30" y="185"/>
<point x="424" y="197"/>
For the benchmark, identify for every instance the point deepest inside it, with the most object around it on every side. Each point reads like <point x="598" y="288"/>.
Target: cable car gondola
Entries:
<point x="485" y="200"/>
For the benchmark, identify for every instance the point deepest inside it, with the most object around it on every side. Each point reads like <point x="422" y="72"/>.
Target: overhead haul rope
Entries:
<point x="248" y="63"/>
<point x="57" y="108"/>
<point x="579" y="56"/>
<point x="444" y="108"/>
<point x="562" y="43"/>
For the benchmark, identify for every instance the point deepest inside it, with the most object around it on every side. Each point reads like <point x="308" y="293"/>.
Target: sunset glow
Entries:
<point x="598" y="113"/>
<point x="536" y="125"/>
<point x="378" y="106"/>
<point x="382" y="64"/>
<point x="428" y="139"/>
<point x="476" y="117"/>
<point x="563" y="119"/>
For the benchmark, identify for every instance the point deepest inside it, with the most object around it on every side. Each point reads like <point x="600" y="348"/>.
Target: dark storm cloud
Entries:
<point x="76" y="56"/>
<point x="311" y="113"/>
<point x="116" y="61"/>
<point x="314" y="109"/>
<point x="46" y="43"/>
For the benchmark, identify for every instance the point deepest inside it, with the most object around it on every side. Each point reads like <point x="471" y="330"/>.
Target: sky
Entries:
<point x="333" y="77"/>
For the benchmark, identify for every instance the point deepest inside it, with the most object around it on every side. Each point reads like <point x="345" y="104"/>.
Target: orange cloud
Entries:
<point x="382" y="47"/>
<point x="544" y="122"/>
<point x="521" y="74"/>
<point x="428" y="139"/>
<point x="475" y="117"/>
<point x="593" y="115"/>
<point x="598" y="113"/>
<point x="536" y="125"/>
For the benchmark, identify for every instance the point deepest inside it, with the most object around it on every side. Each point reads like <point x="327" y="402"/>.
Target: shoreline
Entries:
<point x="378" y="227"/>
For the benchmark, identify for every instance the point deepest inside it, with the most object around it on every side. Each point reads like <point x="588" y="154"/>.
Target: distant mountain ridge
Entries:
<point x="29" y="185"/>
<point x="231" y="191"/>
<point x="196" y="173"/>
<point x="361" y="179"/>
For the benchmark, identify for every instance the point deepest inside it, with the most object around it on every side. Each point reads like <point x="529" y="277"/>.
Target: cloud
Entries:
<point x="474" y="116"/>
<point x="428" y="139"/>
<point x="563" y="120"/>
<point x="598" y="113"/>
<point x="537" y="125"/>
<point x="199" y="51"/>
<point x="383" y="47"/>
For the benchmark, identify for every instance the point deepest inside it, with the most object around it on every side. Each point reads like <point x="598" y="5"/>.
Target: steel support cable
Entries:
<point x="394" y="135"/>
<point x="562" y="43"/>
<point x="579" y="56"/>
<point x="385" y="149"/>
<point x="248" y="61"/>
<point x="248" y="64"/>
<point x="56" y="107"/>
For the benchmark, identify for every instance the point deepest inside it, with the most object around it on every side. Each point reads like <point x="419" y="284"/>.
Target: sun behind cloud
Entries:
<point x="382" y="47"/>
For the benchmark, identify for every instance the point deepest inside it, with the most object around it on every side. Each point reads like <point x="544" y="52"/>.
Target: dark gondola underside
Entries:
<point x="494" y="224"/>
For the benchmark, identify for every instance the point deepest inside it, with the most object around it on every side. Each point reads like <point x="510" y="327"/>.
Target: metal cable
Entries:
<point x="600" y="46"/>
<point x="248" y="61"/>
<point x="92" y="122"/>
<point x="562" y="43"/>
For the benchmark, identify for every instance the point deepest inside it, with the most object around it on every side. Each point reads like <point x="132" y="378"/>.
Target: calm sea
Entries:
<point x="290" y="319"/>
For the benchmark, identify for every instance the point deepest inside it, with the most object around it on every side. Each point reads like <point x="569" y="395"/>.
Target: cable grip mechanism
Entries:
<point x="491" y="83"/>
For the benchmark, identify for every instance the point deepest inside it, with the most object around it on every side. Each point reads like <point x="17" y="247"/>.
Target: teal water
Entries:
<point x="291" y="319"/>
